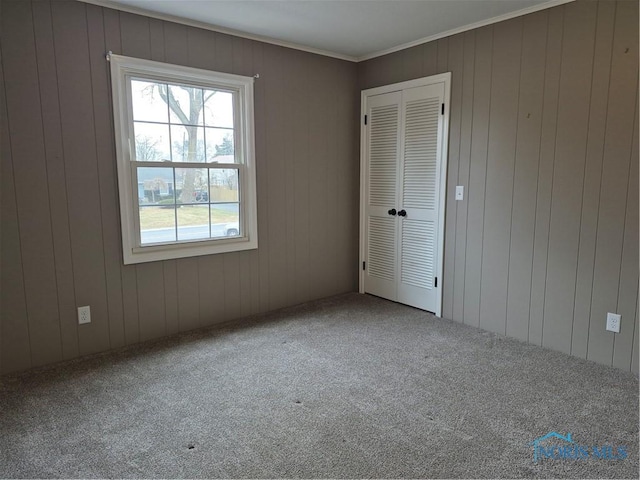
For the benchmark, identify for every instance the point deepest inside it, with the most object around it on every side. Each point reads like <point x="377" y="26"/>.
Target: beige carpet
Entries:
<point x="352" y="386"/>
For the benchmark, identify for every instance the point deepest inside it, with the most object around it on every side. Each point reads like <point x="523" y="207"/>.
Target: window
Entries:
<point x="185" y="152"/>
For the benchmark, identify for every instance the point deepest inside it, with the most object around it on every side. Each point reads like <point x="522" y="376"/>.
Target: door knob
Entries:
<point x="402" y="213"/>
<point x="392" y="211"/>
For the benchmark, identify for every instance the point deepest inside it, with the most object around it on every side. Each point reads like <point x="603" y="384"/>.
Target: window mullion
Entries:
<point x="209" y="198"/>
<point x="175" y="203"/>
<point x="219" y="166"/>
<point x="136" y="204"/>
<point x="170" y="139"/>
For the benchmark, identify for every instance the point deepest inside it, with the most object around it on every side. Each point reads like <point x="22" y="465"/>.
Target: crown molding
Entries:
<point x="471" y="26"/>
<point x="317" y="51"/>
<point x="214" y="28"/>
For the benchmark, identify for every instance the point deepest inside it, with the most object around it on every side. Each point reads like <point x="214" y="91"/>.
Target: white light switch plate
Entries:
<point x="459" y="192"/>
<point x="613" y="322"/>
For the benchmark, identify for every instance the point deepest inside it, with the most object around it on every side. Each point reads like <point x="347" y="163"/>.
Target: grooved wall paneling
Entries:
<point x="568" y="173"/>
<point x="455" y="65"/>
<point x="15" y="353"/>
<point x="527" y="154"/>
<point x="613" y="285"/>
<point x="498" y="198"/>
<point x="61" y="245"/>
<point x="544" y="138"/>
<point x="30" y="184"/>
<point x="544" y="179"/>
<point x="475" y="189"/>
<point x="458" y="250"/>
<point x="592" y="176"/>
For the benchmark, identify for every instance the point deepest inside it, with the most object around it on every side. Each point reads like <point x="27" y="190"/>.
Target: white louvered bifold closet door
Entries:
<point x="403" y="147"/>
<point x="383" y="141"/>
<point x="419" y="195"/>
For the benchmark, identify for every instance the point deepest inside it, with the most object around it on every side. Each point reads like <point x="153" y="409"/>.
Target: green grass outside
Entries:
<point x="188" y="215"/>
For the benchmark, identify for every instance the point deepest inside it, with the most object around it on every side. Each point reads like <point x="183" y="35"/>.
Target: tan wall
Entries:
<point x="60" y="222"/>
<point x="544" y="137"/>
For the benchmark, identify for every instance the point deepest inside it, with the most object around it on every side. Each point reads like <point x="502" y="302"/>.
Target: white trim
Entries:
<point x="443" y="189"/>
<point x="419" y="82"/>
<point x="363" y="190"/>
<point x="465" y="28"/>
<point x="318" y="51"/>
<point x="122" y="68"/>
<point x="206" y="26"/>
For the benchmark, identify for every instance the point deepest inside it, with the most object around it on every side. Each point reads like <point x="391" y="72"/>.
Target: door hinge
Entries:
<point x="363" y="265"/>
<point x="436" y="282"/>
<point x="365" y="119"/>
<point x="443" y="109"/>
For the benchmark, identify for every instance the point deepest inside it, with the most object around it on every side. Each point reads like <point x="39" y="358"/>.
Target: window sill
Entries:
<point x="155" y="253"/>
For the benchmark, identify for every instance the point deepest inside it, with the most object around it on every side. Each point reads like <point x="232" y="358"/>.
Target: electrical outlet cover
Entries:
<point x="613" y="322"/>
<point x="84" y="315"/>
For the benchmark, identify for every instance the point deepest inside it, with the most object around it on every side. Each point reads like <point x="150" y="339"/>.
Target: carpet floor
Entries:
<point x="350" y="386"/>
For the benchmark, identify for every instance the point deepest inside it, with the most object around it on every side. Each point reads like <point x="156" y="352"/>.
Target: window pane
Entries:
<point x="218" y="109"/>
<point x="148" y="104"/>
<point x="220" y="148"/>
<point x="157" y="224"/>
<point x="185" y="105"/>
<point x="223" y="185"/>
<point x="225" y="220"/>
<point x="188" y="143"/>
<point x="193" y="222"/>
<point x="152" y="142"/>
<point x="155" y="186"/>
<point x="191" y="185"/>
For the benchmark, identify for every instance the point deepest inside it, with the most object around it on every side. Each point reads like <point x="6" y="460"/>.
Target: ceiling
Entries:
<point x="350" y="29"/>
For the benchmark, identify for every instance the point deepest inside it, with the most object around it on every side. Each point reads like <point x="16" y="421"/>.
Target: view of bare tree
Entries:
<point x="189" y="116"/>
<point x="146" y="149"/>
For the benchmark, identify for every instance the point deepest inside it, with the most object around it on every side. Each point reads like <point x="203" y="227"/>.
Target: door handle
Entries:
<point x="402" y="213"/>
<point x="392" y="211"/>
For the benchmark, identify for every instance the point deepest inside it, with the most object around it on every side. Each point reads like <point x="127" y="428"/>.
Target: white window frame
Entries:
<point x="122" y="69"/>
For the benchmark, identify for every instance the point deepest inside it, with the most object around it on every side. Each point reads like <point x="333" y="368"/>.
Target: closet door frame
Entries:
<point x="444" y="78"/>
